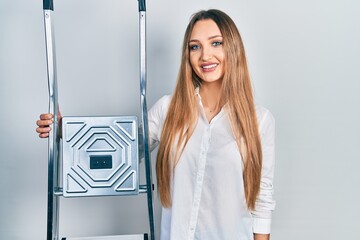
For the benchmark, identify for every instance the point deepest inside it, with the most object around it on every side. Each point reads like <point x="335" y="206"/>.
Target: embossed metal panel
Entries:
<point x="100" y="156"/>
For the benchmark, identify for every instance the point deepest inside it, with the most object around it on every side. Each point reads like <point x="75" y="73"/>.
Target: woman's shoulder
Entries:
<point x="160" y="108"/>
<point x="163" y="102"/>
<point x="264" y="116"/>
<point x="164" y="99"/>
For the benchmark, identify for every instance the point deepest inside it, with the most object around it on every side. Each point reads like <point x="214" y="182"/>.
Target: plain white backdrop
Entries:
<point x="304" y="62"/>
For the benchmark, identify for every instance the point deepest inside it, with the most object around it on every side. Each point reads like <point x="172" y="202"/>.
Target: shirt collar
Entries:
<point x="220" y="114"/>
<point x="197" y="93"/>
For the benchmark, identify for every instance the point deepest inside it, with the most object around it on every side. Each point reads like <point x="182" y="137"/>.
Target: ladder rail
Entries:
<point x="53" y="140"/>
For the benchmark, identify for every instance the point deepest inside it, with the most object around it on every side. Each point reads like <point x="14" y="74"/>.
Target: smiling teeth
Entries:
<point x="210" y="66"/>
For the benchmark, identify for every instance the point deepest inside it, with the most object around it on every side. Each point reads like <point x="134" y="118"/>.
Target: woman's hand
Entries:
<point x="261" y="236"/>
<point x="46" y="119"/>
<point x="44" y="124"/>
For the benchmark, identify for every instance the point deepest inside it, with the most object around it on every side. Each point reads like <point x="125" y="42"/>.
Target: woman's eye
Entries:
<point x="217" y="43"/>
<point x="194" y="47"/>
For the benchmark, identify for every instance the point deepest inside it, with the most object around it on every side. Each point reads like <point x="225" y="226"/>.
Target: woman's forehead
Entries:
<point x="204" y="29"/>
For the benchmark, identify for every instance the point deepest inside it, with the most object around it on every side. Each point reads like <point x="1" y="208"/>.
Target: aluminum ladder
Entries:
<point x="99" y="147"/>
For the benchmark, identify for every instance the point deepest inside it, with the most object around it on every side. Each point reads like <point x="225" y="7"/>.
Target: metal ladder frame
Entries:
<point x="54" y="191"/>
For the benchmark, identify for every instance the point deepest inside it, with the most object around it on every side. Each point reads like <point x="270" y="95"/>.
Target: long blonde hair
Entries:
<point x="183" y="111"/>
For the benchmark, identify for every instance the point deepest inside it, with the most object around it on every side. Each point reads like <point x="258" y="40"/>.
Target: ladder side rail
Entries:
<point x="53" y="140"/>
<point x="144" y="109"/>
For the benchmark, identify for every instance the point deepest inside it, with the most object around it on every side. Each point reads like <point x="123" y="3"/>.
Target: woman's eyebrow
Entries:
<point x="212" y="37"/>
<point x="215" y="36"/>
<point x="193" y="40"/>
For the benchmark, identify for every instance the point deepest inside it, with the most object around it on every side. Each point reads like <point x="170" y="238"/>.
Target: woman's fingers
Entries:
<point x="46" y="116"/>
<point x="41" y="123"/>
<point x="44" y="135"/>
<point x="46" y="119"/>
<point x="43" y="129"/>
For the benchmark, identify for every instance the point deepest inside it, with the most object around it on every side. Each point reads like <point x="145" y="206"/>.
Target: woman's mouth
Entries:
<point x="209" y="67"/>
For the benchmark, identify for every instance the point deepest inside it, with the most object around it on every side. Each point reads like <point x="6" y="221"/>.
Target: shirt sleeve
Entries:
<point x="265" y="204"/>
<point x="156" y="117"/>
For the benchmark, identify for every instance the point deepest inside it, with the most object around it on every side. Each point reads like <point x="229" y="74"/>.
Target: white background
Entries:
<point x="304" y="62"/>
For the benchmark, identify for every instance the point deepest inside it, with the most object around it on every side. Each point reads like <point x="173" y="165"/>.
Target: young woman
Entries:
<point x="215" y="158"/>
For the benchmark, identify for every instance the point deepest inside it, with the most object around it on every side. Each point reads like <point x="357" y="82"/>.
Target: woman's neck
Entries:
<point x="210" y="96"/>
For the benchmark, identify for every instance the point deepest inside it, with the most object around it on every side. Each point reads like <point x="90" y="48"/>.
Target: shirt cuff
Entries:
<point x="261" y="225"/>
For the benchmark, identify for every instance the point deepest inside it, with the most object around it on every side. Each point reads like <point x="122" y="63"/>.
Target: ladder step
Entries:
<point x="117" y="237"/>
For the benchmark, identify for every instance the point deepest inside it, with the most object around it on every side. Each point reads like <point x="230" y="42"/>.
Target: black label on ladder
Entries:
<point x="101" y="162"/>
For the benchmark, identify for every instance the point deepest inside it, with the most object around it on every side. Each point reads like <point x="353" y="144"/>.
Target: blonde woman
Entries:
<point x="215" y="157"/>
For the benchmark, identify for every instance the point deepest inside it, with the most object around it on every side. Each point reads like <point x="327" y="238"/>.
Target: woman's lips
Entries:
<point x="209" y="67"/>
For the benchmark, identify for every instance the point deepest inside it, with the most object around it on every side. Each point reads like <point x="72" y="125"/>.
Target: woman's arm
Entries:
<point x="265" y="203"/>
<point x="261" y="236"/>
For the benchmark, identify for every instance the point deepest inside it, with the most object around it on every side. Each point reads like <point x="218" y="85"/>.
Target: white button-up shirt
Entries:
<point x="207" y="189"/>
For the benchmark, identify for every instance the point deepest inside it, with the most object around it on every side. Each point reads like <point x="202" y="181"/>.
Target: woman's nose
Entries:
<point x="206" y="54"/>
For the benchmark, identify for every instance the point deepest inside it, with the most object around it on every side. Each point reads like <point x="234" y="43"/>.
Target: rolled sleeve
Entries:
<point x="265" y="203"/>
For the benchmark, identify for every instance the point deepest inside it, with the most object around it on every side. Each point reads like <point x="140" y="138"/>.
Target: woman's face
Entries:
<point x="206" y="51"/>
